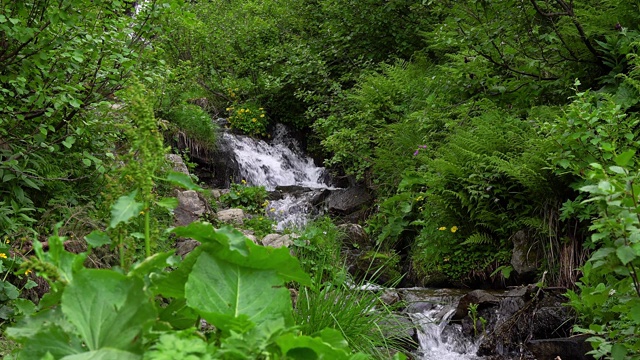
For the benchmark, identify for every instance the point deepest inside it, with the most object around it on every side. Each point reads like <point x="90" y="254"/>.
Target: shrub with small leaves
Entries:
<point x="250" y="198"/>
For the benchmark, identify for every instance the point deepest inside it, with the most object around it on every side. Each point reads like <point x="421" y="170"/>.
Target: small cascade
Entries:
<point x="277" y="164"/>
<point x="431" y="310"/>
<point x="440" y="340"/>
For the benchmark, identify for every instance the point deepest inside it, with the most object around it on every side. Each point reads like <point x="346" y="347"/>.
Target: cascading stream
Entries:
<point x="279" y="162"/>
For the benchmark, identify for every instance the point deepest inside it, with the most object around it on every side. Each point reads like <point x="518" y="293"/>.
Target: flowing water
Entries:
<point x="279" y="163"/>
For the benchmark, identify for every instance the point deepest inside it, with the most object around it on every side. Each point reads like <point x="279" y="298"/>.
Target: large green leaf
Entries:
<point x="232" y="246"/>
<point x="329" y="345"/>
<point x="124" y="209"/>
<point x="104" y="354"/>
<point x="108" y="309"/>
<point x="231" y="296"/>
<point x="51" y="339"/>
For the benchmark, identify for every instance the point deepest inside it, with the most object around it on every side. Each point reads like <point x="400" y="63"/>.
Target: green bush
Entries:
<point x="250" y="198"/>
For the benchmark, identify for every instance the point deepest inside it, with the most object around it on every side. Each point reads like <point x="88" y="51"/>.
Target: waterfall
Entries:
<point x="278" y="163"/>
<point x="431" y="310"/>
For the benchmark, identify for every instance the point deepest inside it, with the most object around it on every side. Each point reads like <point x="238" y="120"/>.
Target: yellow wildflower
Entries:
<point x="243" y="181"/>
<point x="442" y="228"/>
<point x="3" y="256"/>
<point x="254" y="120"/>
<point x="272" y="209"/>
<point x="261" y="115"/>
<point x="7" y="241"/>
<point x="141" y="212"/>
<point x="27" y="272"/>
<point x="454" y="229"/>
<point x="419" y="198"/>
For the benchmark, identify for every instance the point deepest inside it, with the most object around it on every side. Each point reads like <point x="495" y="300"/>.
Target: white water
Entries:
<point x="279" y="162"/>
<point x="440" y="340"/>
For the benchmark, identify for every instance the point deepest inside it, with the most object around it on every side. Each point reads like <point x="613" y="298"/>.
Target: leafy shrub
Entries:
<point x="250" y="198"/>
<point x="261" y="225"/>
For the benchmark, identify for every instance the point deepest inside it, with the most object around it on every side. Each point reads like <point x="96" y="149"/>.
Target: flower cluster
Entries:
<point x="248" y="118"/>
<point x="418" y="149"/>
<point x="444" y="228"/>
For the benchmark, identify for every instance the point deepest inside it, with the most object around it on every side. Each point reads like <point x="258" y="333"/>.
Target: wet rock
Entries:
<point x="277" y="240"/>
<point x="231" y="216"/>
<point x="177" y="163"/>
<point x="525" y="314"/>
<point x="190" y="208"/>
<point x="568" y="348"/>
<point x="390" y="297"/>
<point x="524" y="257"/>
<point x="348" y="201"/>
<point x="250" y="235"/>
<point x="355" y="236"/>
<point x="480" y="297"/>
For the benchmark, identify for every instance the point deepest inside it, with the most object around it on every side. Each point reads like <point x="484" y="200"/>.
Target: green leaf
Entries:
<point x="634" y="313"/>
<point x="104" y="354"/>
<point x="617" y="169"/>
<point x="305" y="347"/>
<point x="624" y="158"/>
<point x="230" y="296"/>
<point x="168" y="203"/>
<point x="626" y="254"/>
<point x="232" y="246"/>
<point x="183" y="180"/>
<point x="124" y="209"/>
<point x="97" y="238"/>
<point x="69" y="141"/>
<point x="158" y="261"/>
<point x="108" y="309"/>
<point x="51" y="338"/>
<point x="618" y="352"/>
<point x="87" y="162"/>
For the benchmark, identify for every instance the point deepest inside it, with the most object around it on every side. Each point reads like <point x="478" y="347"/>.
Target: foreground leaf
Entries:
<point x="124" y="209"/>
<point x="108" y="309"/>
<point x="228" y="295"/>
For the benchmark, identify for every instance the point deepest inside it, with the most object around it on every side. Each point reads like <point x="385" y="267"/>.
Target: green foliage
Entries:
<point x="60" y="66"/>
<point x="599" y="143"/>
<point x="251" y="198"/>
<point x="319" y="249"/>
<point x="260" y="225"/>
<point x="12" y="307"/>
<point x="222" y="281"/>
<point x="248" y="118"/>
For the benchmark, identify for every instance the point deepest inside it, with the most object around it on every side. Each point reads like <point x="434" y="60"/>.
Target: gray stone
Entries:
<point x="277" y="240"/>
<point x="349" y="200"/>
<point x="178" y="163"/>
<point x="231" y="216"/>
<point x="216" y="193"/>
<point x="480" y="297"/>
<point x="190" y="208"/>
<point x="524" y="258"/>
<point x="568" y="348"/>
<point x="390" y="297"/>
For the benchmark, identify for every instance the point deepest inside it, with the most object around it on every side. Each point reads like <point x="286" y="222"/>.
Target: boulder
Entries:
<point x="277" y="240"/>
<point x="355" y="236"/>
<point x="480" y="297"/>
<point x="568" y="348"/>
<point x="524" y="258"/>
<point x="177" y="163"/>
<point x="347" y="201"/>
<point x="190" y="208"/>
<point x="231" y="216"/>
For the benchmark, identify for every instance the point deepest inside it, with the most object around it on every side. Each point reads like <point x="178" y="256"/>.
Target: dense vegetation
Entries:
<point x="471" y="121"/>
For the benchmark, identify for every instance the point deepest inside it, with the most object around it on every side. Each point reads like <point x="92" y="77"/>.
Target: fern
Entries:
<point x="478" y="239"/>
